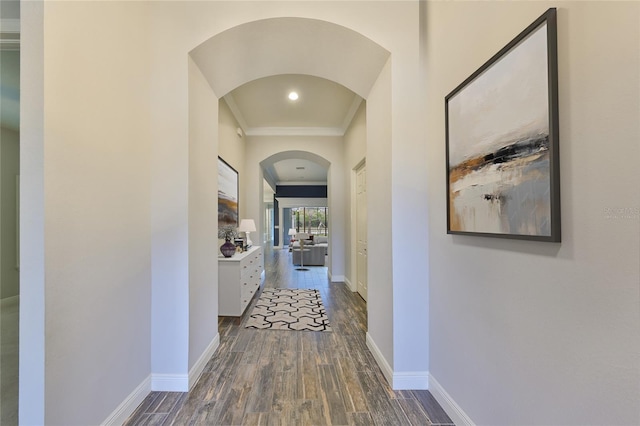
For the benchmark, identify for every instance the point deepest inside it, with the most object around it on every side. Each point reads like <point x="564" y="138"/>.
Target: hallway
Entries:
<point x="262" y="377"/>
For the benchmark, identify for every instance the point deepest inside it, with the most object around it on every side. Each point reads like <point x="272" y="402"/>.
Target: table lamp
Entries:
<point x="247" y="226"/>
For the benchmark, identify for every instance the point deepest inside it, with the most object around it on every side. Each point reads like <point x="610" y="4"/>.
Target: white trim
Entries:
<point x="301" y="183"/>
<point x="355" y="104"/>
<point x="198" y="367"/>
<point x="457" y="414"/>
<point x="408" y="380"/>
<point x="290" y="202"/>
<point x="336" y="278"/>
<point x="351" y="286"/>
<point x="398" y="381"/>
<point x="129" y="405"/>
<point x="235" y="111"/>
<point x="382" y="362"/>
<point x="170" y="382"/>
<point x="294" y="131"/>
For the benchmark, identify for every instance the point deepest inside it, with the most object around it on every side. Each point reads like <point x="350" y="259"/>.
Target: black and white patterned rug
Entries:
<point x="289" y="309"/>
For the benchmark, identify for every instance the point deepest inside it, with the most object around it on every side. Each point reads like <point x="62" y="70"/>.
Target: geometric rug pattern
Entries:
<point x="289" y="309"/>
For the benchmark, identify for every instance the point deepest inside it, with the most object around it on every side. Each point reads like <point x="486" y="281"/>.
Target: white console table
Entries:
<point x="239" y="277"/>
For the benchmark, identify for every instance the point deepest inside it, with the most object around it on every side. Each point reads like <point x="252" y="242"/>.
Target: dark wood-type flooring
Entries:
<point x="269" y="377"/>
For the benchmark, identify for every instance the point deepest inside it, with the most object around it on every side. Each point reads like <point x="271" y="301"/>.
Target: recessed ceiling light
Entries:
<point x="293" y="96"/>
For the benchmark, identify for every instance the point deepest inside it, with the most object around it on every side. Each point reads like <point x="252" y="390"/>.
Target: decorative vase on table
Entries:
<point x="228" y="248"/>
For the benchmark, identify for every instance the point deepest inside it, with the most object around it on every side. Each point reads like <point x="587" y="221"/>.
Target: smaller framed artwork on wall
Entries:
<point x="227" y="195"/>
<point x="502" y="156"/>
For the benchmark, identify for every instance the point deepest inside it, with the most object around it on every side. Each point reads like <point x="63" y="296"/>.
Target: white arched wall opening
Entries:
<point x="308" y="46"/>
<point x="326" y="153"/>
<point x="323" y="49"/>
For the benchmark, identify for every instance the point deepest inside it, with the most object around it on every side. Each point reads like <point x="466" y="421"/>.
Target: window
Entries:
<point x="311" y="220"/>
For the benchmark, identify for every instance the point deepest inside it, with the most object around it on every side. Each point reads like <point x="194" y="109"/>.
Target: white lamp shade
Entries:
<point x="247" y="225"/>
<point x="292" y="231"/>
<point x="302" y="236"/>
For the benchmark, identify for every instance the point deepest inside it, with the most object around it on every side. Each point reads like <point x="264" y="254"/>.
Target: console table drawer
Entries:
<point x="239" y="277"/>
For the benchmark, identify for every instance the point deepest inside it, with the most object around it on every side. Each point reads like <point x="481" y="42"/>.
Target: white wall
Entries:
<point x="97" y="176"/>
<point x="203" y="206"/>
<point x="379" y="246"/>
<point x="232" y="149"/>
<point x="355" y="147"/>
<point x="32" y="269"/>
<point x="538" y="333"/>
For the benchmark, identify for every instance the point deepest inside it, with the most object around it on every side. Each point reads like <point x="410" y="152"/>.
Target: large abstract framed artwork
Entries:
<point x="227" y="195"/>
<point x="503" y="174"/>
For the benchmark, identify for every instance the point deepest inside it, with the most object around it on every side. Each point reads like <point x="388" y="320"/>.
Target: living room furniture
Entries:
<point x="239" y="277"/>
<point x="312" y="255"/>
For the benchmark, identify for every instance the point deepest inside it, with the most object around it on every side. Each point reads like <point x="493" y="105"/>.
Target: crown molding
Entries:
<point x="233" y="106"/>
<point x="302" y="182"/>
<point x="294" y="131"/>
<point x="357" y="100"/>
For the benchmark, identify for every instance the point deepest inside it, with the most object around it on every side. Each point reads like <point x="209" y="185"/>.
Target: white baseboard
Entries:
<point x="411" y="380"/>
<point x="382" y="362"/>
<point x="129" y="405"/>
<point x="447" y="403"/>
<point x="406" y="380"/>
<point x="198" y="367"/>
<point x="351" y="286"/>
<point x="337" y="278"/>
<point x="170" y="382"/>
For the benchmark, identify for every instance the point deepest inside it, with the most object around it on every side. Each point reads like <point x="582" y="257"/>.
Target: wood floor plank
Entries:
<point x="331" y="396"/>
<point x="287" y="361"/>
<point x="380" y="406"/>
<point x="261" y="398"/>
<point x="184" y="413"/>
<point x="352" y="394"/>
<point x="289" y="342"/>
<point x="285" y="378"/>
<point x="360" y="419"/>
<point x="230" y="409"/>
<point x="165" y="402"/>
<point x="284" y="390"/>
<point x="307" y="376"/>
<point x="414" y="412"/>
<point x="143" y="408"/>
<point x="252" y="353"/>
<point x="429" y="404"/>
<point x="150" y="419"/>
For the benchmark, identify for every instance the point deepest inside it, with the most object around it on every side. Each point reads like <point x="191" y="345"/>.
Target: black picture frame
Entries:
<point x="502" y="142"/>
<point x="228" y="195"/>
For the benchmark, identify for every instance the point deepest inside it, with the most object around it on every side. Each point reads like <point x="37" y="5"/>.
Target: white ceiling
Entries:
<point x="263" y="108"/>
<point x="297" y="172"/>
<point x="324" y="108"/>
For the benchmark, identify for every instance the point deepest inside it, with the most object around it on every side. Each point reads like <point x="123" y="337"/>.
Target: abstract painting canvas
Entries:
<point x="227" y="195"/>
<point x="502" y="142"/>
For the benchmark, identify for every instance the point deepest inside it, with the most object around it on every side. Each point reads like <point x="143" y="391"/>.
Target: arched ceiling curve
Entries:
<point x="290" y="46"/>
<point x="315" y="172"/>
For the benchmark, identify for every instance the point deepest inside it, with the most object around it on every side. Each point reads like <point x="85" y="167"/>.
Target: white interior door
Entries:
<point x="361" y="230"/>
